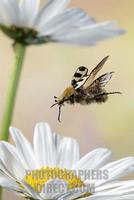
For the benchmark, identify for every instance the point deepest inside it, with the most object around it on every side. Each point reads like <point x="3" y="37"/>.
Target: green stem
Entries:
<point x="12" y="91"/>
<point x="11" y="94"/>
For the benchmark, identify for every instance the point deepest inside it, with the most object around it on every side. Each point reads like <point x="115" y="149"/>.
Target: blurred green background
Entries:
<point x="49" y="69"/>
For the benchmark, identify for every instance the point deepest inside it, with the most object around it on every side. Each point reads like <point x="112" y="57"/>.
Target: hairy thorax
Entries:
<point x="68" y="92"/>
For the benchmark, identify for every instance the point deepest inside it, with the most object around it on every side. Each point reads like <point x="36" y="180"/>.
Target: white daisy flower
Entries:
<point x="51" y="168"/>
<point x="29" y="23"/>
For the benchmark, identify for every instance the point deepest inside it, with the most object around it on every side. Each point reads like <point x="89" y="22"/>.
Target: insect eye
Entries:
<point x="55" y="97"/>
<point x="56" y="100"/>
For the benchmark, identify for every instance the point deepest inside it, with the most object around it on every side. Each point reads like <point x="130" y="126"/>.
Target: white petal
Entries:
<point x="109" y="197"/>
<point x="4" y="14"/>
<point x="110" y="185"/>
<point x="28" y="11"/>
<point x="85" y="21"/>
<point x="77" y="41"/>
<point x="4" y="17"/>
<point x="94" y="159"/>
<point x="30" y="191"/>
<point x="24" y="149"/>
<point x="53" y="188"/>
<point x="53" y="8"/>
<point x="44" y="146"/>
<point x="5" y="170"/>
<point x="9" y="10"/>
<point x="57" y="139"/>
<point x="68" y="153"/>
<point x="75" y="193"/>
<point x="123" y="190"/>
<point x="61" y="196"/>
<point x="11" y="160"/>
<point x="117" y="169"/>
<point x="9" y="184"/>
<point x="89" y="35"/>
<point x="64" y="21"/>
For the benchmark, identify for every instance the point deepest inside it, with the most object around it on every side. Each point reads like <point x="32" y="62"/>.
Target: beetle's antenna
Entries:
<point x="54" y="104"/>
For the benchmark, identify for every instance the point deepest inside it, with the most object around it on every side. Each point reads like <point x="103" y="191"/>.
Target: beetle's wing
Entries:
<point x="94" y="72"/>
<point x="100" y="82"/>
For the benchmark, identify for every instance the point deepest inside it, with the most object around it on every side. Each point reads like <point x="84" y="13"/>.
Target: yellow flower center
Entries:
<point x="37" y="178"/>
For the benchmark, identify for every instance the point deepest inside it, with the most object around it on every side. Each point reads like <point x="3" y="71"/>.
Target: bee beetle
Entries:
<point x="84" y="89"/>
